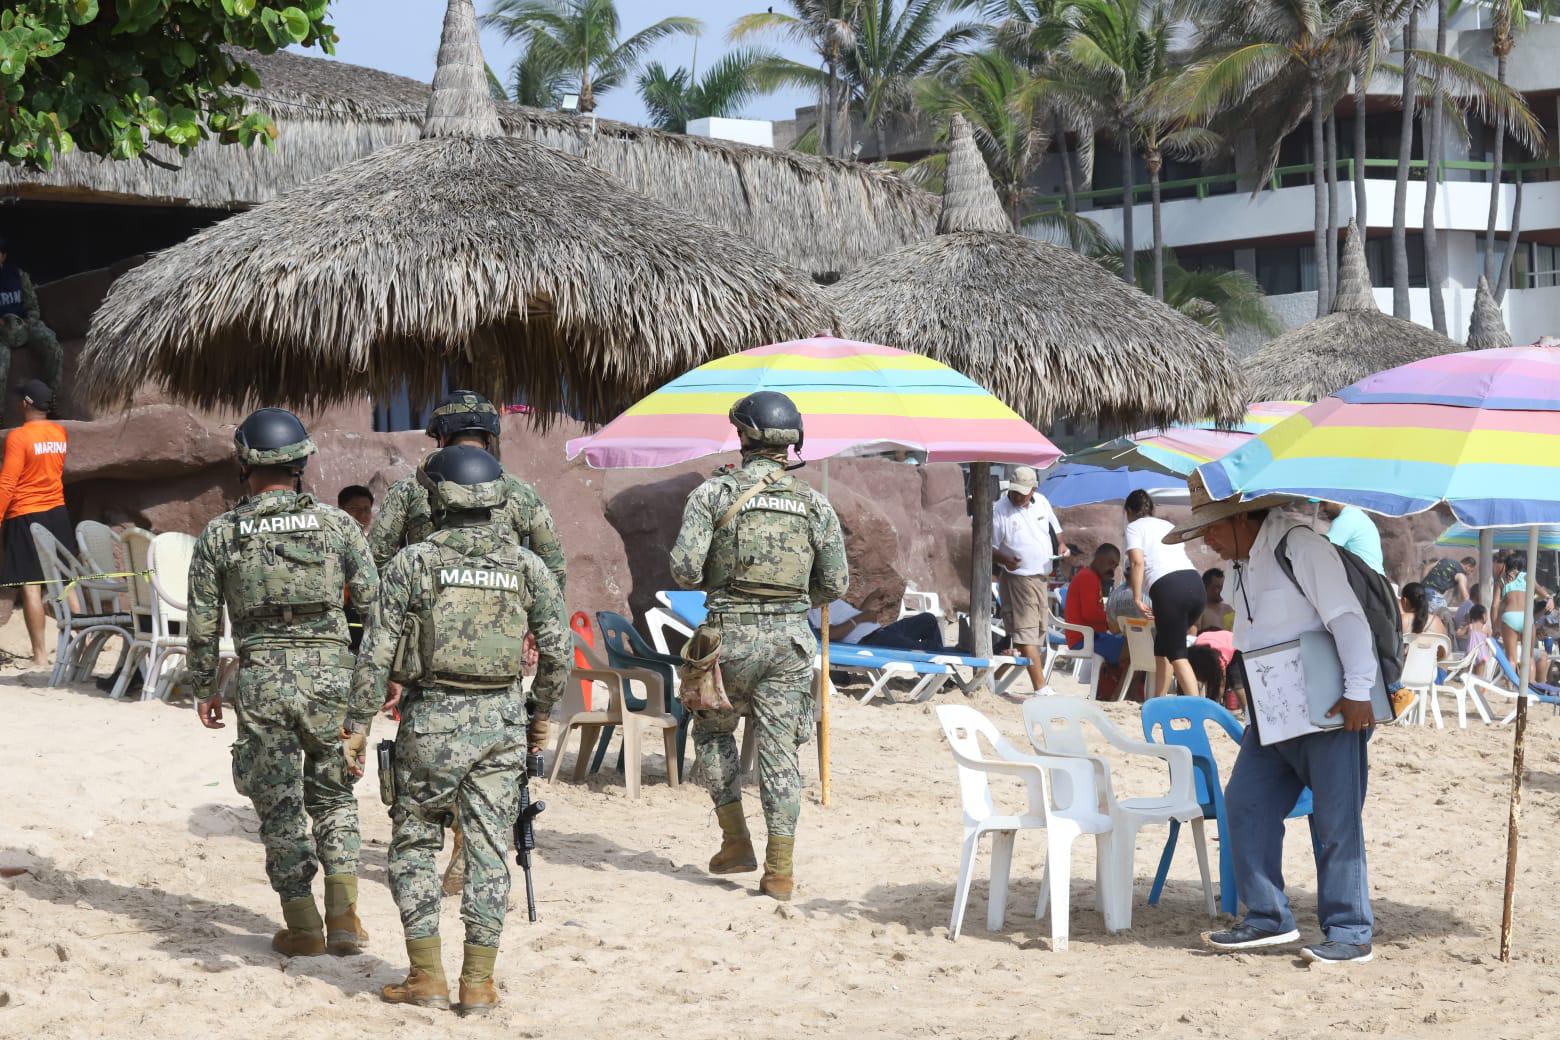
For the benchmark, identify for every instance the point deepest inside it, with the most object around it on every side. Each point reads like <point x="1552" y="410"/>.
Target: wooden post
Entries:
<point x="823" y="706"/>
<point x="980" y="557"/>
<point x="1518" y="746"/>
<point x="1487" y="573"/>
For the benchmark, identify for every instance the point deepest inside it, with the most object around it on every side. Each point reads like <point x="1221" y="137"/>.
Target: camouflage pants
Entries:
<point x="48" y="355"/>
<point x="287" y="759"/>
<point x="459" y="755"/>
<point x="766" y="666"/>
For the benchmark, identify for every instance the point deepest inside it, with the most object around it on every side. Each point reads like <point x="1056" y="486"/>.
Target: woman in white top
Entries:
<point x="1176" y="596"/>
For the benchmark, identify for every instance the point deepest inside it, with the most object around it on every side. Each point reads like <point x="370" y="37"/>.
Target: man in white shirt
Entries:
<point x="1026" y="539"/>
<point x="921" y="631"/>
<point x="1270" y="608"/>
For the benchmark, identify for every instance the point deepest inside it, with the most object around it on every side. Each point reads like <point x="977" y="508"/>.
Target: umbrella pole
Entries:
<point x="1517" y="749"/>
<point x="1487" y="569"/>
<point x="823" y="682"/>
<point x="980" y="557"/>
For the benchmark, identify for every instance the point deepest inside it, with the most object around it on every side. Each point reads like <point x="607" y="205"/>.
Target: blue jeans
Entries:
<point x="1109" y="646"/>
<point x="1261" y="792"/>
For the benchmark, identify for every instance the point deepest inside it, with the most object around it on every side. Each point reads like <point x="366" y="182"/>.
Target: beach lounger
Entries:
<point x="1478" y="687"/>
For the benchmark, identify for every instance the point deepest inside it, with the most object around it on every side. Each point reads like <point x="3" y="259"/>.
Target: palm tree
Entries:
<point x="1106" y="74"/>
<point x="1509" y="18"/>
<point x="998" y="98"/>
<point x="673" y="98"/>
<point x="1400" y="302"/>
<point x="1294" y="55"/>
<point x="893" y="49"/>
<point x="537" y="80"/>
<point x="1370" y="32"/>
<point x="583" y="36"/>
<point x="1431" y="122"/>
<point x="828" y="27"/>
<point x="1223" y="300"/>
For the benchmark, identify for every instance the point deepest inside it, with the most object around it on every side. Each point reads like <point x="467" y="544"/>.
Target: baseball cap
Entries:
<point x="1022" y="478"/>
<point x="37" y="391"/>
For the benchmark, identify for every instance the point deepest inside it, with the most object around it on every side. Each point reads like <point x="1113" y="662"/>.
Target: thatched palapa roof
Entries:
<point x="820" y="215"/>
<point x="1486" y="326"/>
<point x="1048" y="331"/>
<point x="509" y="266"/>
<point x="1354" y="341"/>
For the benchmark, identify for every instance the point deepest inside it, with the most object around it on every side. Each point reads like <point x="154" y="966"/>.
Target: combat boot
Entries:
<point x="777" y="882"/>
<point x="736" y="854"/>
<point x="477" y="995"/>
<point x="425" y="985"/>
<point x="304" y="935"/>
<point x="344" y="933"/>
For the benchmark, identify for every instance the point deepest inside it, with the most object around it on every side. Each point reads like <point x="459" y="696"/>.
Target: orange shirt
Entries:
<point x="31" y="478"/>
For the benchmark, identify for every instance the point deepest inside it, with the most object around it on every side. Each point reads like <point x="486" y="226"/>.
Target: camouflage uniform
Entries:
<point x="405" y="519"/>
<point x="21" y="325"/>
<point x="294" y="675"/>
<point x="461" y="748"/>
<point x="762" y="572"/>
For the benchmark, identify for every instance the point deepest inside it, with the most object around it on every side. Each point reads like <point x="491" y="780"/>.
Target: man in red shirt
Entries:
<point x="1086" y="604"/>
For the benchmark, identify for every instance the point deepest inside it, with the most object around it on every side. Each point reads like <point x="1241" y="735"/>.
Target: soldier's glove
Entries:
<point x="536" y="730"/>
<point x="354" y="746"/>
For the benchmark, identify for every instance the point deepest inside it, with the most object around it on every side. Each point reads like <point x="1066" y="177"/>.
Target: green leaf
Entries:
<point x="81" y="12"/>
<point x="243" y="8"/>
<point x="187" y="55"/>
<point x="296" y="23"/>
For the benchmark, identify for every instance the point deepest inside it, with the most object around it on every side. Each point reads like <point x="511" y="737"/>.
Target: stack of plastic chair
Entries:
<point x="626" y="649"/>
<point x="1062" y="801"/>
<point x="1183" y="721"/>
<point x="591" y="723"/>
<point x="85" y="610"/>
<point x="1061" y="726"/>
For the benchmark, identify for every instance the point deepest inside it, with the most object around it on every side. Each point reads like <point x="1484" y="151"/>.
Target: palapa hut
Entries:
<point x="1486" y="326"/>
<point x="1354" y="341"/>
<point x="492" y="260"/>
<point x="822" y="216"/>
<point x="1048" y="331"/>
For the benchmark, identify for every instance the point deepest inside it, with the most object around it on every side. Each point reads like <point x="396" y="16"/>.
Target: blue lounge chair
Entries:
<point x="1542" y="692"/>
<point x="1167" y="715"/>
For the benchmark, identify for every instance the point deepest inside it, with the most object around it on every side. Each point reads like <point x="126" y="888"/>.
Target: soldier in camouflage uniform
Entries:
<point x="765" y="547"/>
<point x="21" y="324"/>
<point x="404" y="518"/>
<point x="280" y="563"/>
<point x="450" y="625"/>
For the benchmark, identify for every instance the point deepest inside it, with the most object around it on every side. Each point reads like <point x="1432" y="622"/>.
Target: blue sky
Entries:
<point x="402" y="36"/>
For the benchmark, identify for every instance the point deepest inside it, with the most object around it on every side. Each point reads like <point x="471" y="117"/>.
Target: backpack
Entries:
<point x="1376" y="598"/>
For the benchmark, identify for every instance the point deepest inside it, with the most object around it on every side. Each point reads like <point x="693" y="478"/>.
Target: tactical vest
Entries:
<point x="11" y="291"/>
<point x="283" y="566"/>
<point x="471" y="633"/>
<point x="773" y="556"/>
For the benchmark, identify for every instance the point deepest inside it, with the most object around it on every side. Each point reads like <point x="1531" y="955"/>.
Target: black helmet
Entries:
<point x="462" y="412"/>
<point x="462" y="478"/>
<point x="768" y="419"/>
<point x="272" y="437"/>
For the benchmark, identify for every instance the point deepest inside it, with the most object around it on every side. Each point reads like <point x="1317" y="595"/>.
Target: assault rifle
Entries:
<point x="525" y="830"/>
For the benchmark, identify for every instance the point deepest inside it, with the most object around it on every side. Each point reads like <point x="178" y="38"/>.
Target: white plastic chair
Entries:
<point x="1062" y="802"/>
<point x="85" y="612"/>
<point x="1139" y="633"/>
<point x="137" y="545"/>
<point x="917" y="602"/>
<point x="1420" y="661"/>
<point x="632" y="723"/>
<point x="1059" y="726"/>
<point x="1083" y="654"/>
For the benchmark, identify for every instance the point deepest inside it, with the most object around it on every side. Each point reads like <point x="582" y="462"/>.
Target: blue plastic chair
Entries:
<point x="1162" y="714"/>
<point x="626" y="648"/>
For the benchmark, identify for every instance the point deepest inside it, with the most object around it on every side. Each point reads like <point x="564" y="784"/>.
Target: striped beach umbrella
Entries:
<point x="1070" y="484"/>
<point x="1465" y="537"/>
<point x="1478" y="430"/>
<point x="855" y="399"/>
<point x="1177" y="450"/>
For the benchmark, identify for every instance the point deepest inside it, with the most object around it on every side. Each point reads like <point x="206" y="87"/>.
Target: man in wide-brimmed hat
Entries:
<point x="1273" y="606"/>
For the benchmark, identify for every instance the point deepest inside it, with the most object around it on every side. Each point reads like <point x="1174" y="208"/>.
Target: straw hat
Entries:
<point x="1207" y="510"/>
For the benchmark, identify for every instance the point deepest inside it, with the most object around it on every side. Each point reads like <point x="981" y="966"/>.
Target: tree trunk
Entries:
<point x="826" y="113"/>
<point x="1319" y="197"/>
<point x="1497" y="157"/>
<point x="1155" y="160"/>
<point x="1069" y="187"/>
<point x="1332" y="203"/>
<point x="1511" y="244"/>
<point x="1128" y="256"/>
<point x="1359" y="149"/>
<point x="1435" y="270"/>
<point x="1400" y="301"/>
<point x="882" y="140"/>
<point x="980" y="557"/>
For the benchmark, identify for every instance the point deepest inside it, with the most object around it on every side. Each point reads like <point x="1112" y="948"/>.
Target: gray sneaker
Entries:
<point x="1248" y="937"/>
<point x="1337" y="953"/>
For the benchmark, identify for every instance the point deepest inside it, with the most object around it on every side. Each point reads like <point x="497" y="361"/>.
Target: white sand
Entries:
<point x="144" y="910"/>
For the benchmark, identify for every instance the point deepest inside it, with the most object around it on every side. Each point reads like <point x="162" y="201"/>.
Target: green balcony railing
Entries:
<point x="1205" y="186"/>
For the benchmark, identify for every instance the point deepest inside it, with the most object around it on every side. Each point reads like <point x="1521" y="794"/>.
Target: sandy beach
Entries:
<point x="141" y="907"/>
